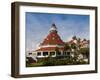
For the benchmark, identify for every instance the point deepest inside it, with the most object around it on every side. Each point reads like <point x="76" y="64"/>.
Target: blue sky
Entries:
<point x="68" y="25"/>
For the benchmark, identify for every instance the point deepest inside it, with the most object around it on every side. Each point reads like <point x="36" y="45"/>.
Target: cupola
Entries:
<point x="53" y="28"/>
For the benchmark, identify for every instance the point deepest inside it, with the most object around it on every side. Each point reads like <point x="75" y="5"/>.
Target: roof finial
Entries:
<point x="53" y="28"/>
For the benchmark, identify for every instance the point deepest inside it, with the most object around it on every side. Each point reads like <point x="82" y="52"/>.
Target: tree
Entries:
<point x="67" y="47"/>
<point x="74" y="37"/>
<point x="76" y="48"/>
<point x="85" y="52"/>
<point x="78" y="43"/>
<point x="78" y="40"/>
<point x="84" y="39"/>
<point x="73" y="46"/>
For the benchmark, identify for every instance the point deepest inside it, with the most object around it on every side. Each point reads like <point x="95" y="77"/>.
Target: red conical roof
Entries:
<point x="53" y="38"/>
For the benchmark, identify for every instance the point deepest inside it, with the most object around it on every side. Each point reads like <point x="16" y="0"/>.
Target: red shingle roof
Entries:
<point x="52" y="39"/>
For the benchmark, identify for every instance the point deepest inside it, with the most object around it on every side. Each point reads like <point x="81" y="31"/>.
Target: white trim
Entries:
<point x="60" y="46"/>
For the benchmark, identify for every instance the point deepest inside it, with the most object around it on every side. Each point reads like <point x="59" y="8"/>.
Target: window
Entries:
<point x="30" y="53"/>
<point x="59" y="53"/>
<point x="45" y="53"/>
<point x="52" y="53"/>
<point x="66" y="53"/>
<point x="38" y="53"/>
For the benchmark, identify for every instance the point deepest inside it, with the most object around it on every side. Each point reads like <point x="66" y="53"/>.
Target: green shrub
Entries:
<point x="50" y="61"/>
